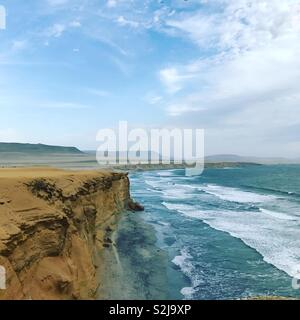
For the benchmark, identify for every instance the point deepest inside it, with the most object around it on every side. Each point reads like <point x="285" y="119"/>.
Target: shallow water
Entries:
<point x="136" y="269"/>
<point x="230" y="233"/>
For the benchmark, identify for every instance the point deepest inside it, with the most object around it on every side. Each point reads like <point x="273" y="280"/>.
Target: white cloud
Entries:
<point x="242" y="25"/>
<point x="245" y="64"/>
<point x="153" y="98"/>
<point x="117" y="3"/>
<point x="56" y="30"/>
<point x="170" y="79"/>
<point x="124" y="22"/>
<point x="112" y="3"/>
<point x="173" y="79"/>
<point x="75" y="24"/>
<point x="256" y="54"/>
<point x="248" y="84"/>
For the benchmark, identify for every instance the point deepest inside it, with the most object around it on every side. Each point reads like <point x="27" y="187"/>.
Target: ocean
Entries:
<point x="230" y="233"/>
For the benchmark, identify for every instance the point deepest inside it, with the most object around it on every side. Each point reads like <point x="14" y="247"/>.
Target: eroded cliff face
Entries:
<point x="52" y="225"/>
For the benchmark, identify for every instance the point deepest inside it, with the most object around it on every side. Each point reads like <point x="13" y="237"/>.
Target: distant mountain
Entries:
<point x="224" y="158"/>
<point x="261" y="160"/>
<point x="218" y="158"/>
<point x="123" y="155"/>
<point x="28" y="148"/>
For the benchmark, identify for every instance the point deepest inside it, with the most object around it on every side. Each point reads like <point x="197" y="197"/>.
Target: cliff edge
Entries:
<point x="53" y="223"/>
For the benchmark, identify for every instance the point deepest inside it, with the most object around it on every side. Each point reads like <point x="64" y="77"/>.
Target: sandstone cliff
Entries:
<point x="52" y="225"/>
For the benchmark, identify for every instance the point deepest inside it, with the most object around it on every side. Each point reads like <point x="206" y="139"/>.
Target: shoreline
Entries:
<point x="134" y="267"/>
<point x="90" y="218"/>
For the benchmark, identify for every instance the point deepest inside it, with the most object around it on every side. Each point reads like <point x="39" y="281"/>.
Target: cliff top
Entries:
<point x="50" y="222"/>
<point x="30" y="148"/>
<point x="47" y="172"/>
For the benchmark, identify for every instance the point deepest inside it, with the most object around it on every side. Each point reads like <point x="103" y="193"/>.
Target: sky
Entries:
<point x="71" y="67"/>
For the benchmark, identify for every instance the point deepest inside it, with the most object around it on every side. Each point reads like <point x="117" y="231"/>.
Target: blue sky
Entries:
<point x="71" y="67"/>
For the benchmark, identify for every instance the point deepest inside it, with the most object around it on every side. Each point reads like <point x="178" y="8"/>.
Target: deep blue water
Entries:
<point x="231" y="233"/>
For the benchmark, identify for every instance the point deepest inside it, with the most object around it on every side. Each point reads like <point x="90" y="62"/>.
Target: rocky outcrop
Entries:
<point x="52" y="225"/>
<point x="135" y="206"/>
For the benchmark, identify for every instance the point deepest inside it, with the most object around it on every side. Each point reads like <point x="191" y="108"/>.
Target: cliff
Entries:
<point x="32" y="149"/>
<point x="53" y="223"/>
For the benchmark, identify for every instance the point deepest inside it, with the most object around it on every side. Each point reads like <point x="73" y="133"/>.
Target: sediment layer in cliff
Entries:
<point x="52" y="224"/>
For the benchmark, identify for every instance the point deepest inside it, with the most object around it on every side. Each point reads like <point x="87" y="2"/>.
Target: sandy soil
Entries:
<point x="51" y="224"/>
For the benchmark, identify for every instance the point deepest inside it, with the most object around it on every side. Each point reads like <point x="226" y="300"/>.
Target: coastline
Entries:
<point x="134" y="268"/>
<point x="113" y="250"/>
<point x="71" y="236"/>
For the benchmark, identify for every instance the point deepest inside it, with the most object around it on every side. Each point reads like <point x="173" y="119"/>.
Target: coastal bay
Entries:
<point x="69" y="234"/>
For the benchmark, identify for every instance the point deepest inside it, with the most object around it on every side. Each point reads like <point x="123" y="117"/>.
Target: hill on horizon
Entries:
<point x="29" y="148"/>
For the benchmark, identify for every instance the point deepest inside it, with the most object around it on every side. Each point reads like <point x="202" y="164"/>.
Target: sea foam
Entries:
<point x="272" y="234"/>
<point x="235" y="195"/>
<point x="170" y="190"/>
<point x="184" y="262"/>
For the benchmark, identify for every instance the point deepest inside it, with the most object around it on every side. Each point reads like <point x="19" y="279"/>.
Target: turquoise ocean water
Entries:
<point x="229" y="233"/>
